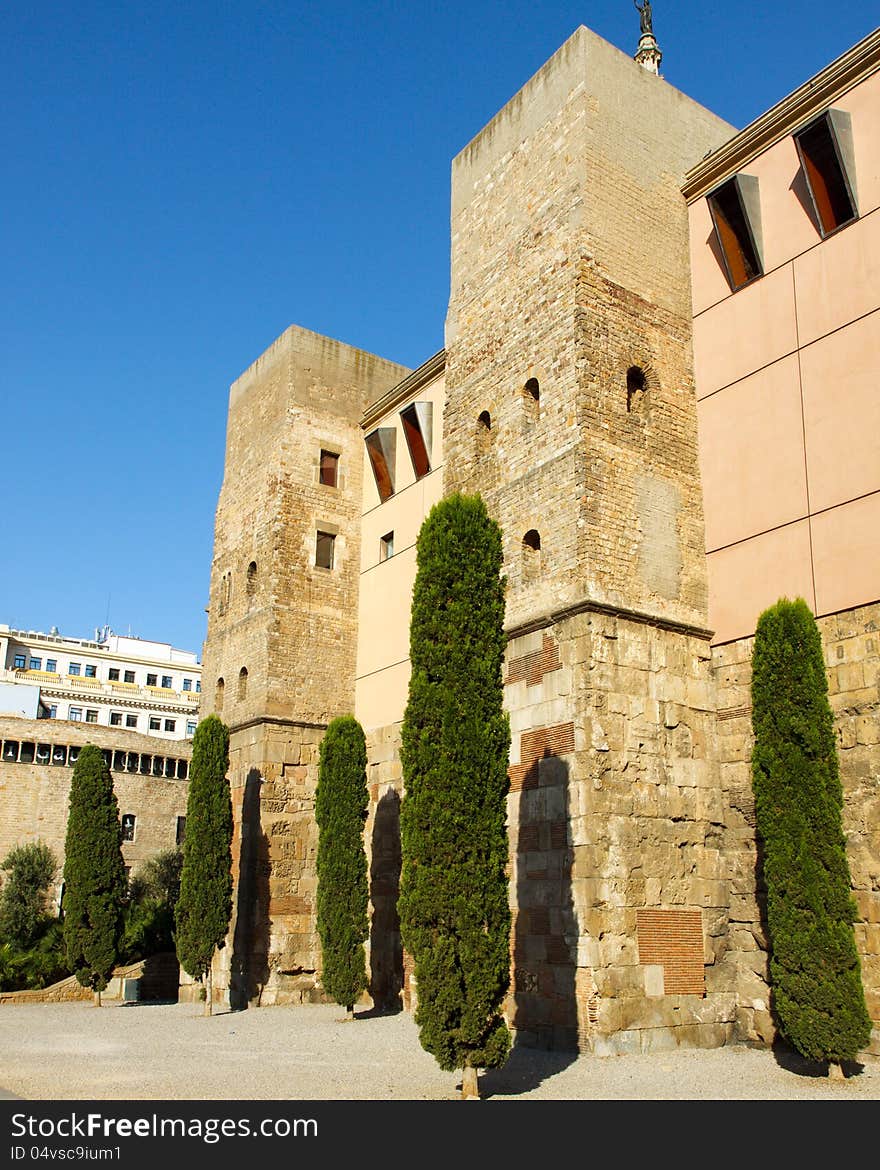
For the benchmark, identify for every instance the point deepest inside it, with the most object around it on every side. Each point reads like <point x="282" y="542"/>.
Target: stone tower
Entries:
<point x="280" y="649"/>
<point x="571" y="408"/>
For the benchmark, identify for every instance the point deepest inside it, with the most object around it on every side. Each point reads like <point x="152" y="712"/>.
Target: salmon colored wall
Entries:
<point x="788" y="383"/>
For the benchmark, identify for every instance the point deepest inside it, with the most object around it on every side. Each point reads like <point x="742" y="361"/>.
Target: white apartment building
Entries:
<point x="110" y="680"/>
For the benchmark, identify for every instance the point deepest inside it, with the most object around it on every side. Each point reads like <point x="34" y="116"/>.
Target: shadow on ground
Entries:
<point x="792" y="1061"/>
<point x="525" y="1069"/>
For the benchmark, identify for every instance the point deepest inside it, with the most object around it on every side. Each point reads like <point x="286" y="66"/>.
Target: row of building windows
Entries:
<point x="122" y="718"/>
<point x="114" y="674"/>
<point x="824" y="149"/>
<point x="63" y="755"/>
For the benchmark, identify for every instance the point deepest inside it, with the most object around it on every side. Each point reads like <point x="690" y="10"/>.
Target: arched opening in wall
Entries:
<point x="484" y="432"/>
<point x="218" y="694"/>
<point x="251" y="579"/>
<point x="531" y="397"/>
<point x="636" y="388"/>
<point x="531" y="554"/>
<point x="225" y="592"/>
<point x="242" y="683"/>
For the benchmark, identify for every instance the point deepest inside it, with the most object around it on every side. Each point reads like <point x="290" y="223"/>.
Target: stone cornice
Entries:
<point x="277" y="721"/>
<point x="588" y="606"/>
<point x="410" y="385"/>
<point x="785" y="117"/>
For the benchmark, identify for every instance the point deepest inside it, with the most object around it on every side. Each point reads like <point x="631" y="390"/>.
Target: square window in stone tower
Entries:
<point x="329" y="472"/>
<point x="324" y="547"/>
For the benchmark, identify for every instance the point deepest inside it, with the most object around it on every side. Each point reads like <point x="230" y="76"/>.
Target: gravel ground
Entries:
<point x="75" y="1051"/>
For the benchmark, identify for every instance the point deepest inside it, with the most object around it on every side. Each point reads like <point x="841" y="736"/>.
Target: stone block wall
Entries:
<point x="570" y="277"/>
<point x="34" y="798"/>
<point x="615" y="821"/>
<point x="272" y="952"/>
<point x="282" y="637"/>
<point x="289" y="623"/>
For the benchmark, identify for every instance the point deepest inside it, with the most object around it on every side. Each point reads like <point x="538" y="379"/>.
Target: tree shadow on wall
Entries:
<point x="386" y="950"/>
<point x="249" y="965"/>
<point x="545" y="935"/>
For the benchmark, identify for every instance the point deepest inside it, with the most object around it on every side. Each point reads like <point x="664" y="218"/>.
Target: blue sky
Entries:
<point x="183" y="181"/>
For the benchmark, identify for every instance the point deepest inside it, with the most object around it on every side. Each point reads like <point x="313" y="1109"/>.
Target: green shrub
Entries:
<point x="341" y="803"/>
<point x="815" y="975"/>
<point x="204" y="906"/>
<point x="152" y="898"/>
<point x="94" y="872"/>
<point x="30" y="870"/>
<point x="454" y="909"/>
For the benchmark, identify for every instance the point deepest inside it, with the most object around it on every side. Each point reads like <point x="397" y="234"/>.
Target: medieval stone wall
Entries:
<point x="282" y="635"/>
<point x="34" y="797"/>
<point x="615" y="822"/>
<point x="288" y="623"/>
<point x="570" y="279"/>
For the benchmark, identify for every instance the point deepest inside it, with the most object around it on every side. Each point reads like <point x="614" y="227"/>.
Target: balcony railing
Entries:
<point x="94" y="686"/>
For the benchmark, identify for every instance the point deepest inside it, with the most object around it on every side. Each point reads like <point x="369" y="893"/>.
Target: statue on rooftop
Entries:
<point x="644" y="10"/>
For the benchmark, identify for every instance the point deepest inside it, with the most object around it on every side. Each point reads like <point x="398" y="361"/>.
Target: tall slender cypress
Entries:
<point x="204" y="906"/>
<point x="454" y="908"/>
<point x="94" y="873"/>
<point x="815" y="974"/>
<point x="341" y="803"/>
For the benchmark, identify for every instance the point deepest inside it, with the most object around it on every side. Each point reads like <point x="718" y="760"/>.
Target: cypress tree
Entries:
<point x="815" y="974"/>
<point x="94" y="873"/>
<point x="341" y="809"/>
<point x="30" y="871"/>
<point x="454" y="908"/>
<point x="204" y="906"/>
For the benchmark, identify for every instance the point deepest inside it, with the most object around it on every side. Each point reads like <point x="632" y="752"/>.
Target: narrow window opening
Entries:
<point x="417" y="429"/>
<point x="324" y="550"/>
<point x="734" y="210"/>
<point x="531" y="554"/>
<point x="531" y="397"/>
<point x="180" y="831"/>
<point x="329" y="473"/>
<point x="128" y="823"/>
<point x="386" y="546"/>
<point x="218" y="694"/>
<point x="381" y="451"/>
<point x="822" y="154"/>
<point x="636" y="385"/>
<point x="242" y="683"/>
<point x="251" y="585"/>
